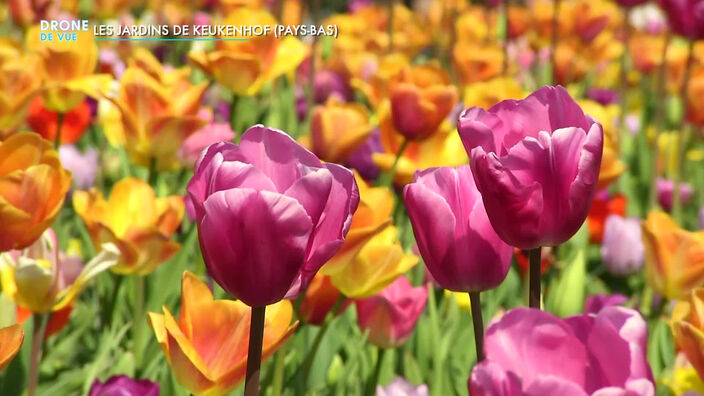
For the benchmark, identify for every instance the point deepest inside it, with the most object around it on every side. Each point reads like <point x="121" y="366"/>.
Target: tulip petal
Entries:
<point x="490" y="379"/>
<point x="264" y="233"/>
<point x="11" y="339"/>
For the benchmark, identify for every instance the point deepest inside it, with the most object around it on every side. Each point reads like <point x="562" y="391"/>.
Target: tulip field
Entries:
<point x="390" y="197"/>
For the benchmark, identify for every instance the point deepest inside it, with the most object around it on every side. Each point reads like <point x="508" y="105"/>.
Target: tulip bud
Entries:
<point x="622" y="251"/>
<point x="391" y="315"/>
<point x="124" y="386"/>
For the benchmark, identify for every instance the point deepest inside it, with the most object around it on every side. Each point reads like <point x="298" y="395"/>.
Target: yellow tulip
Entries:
<point x="11" y="338"/>
<point x="611" y="165"/>
<point x="245" y="66"/>
<point x="488" y="93"/>
<point x="372" y="216"/>
<point x="18" y="85"/>
<point x="374" y="76"/>
<point x="68" y="68"/>
<point x="377" y="265"/>
<point x="674" y="257"/>
<point x="155" y="111"/>
<point x="688" y="328"/>
<point x="135" y="220"/>
<point x="685" y="381"/>
<point x="36" y="278"/>
<point x="476" y="61"/>
<point x="338" y="129"/>
<point x="207" y="346"/>
<point x="32" y="189"/>
<point x="443" y="148"/>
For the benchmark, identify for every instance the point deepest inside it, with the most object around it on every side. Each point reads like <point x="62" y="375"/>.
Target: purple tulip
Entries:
<point x="329" y="84"/>
<point x="631" y="3"/>
<point x="536" y="163"/>
<point x="200" y="140"/>
<point x="531" y="352"/>
<point x="82" y="165"/>
<point x="666" y="188"/>
<point x="122" y="385"/>
<point x="269" y="214"/>
<point x="361" y="159"/>
<point x="602" y="96"/>
<point x="701" y="218"/>
<point x="594" y="304"/>
<point x="686" y="17"/>
<point x="391" y="315"/>
<point x="454" y="235"/>
<point x="401" y="387"/>
<point x="622" y="251"/>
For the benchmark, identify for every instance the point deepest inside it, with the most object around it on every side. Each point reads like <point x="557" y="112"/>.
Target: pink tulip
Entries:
<point x="595" y="303"/>
<point x="454" y="235"/>
<point x="666" y="192"/>
<point x="269" y="214"/>
<point x="530" y="352"/>
<point x="536" y="163"/>
<point x="201" y="139"/>
<point x="686" y="17"/>
<point x="631" y="3"/>
<point x="391" y="315"/>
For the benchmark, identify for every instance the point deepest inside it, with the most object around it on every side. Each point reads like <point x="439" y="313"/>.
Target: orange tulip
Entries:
<point x="688" y="328"/>
<point x="18" y="85"/>
<point x="338" y="129"/>
<point x="477" y="62"/>
<point x="646" y="51"/>
<point x="207" y="346"/>
<point x="421" y="100"/>
<point x="155" y="111"/>
<point x="258" y="60"/>
<point x="11" y="338"/>
<point x="321" y="296"/>
<point x="32" y="189"/>
<point x="674" y="257"/>
<point x="695" y="104"/>
<point x="45" y="121"/>
<point x="135" y="220"/>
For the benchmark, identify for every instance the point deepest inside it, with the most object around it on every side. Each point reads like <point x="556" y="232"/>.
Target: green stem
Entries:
<point x="478" y="323"/>
<point x="59" y="126"/>
<point x="39" y="322"/>
<point x="254" y="354"/>
<point x="676" y="203"/>
<point x="279" y="371"/>
<point x="313" y="351"/>
<point x="387" y="178"/>
<point x="138" y="330"/>
<point x="534" y="279"/>
<point x="153" y="174"/>
<point x="436" y="387"/>
<point x="374" y="379"/>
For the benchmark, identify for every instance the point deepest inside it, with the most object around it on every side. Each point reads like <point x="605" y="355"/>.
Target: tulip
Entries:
<point x="695" y="107"/>
<point x="686" y="17"/>
<point x="601" y="208"/>
<point x="665" y="191"/>
<point x="622" y="252"/>
<point x="674" y="257"/>
<point x="296" y="211"/>
<point x="488" y="93"/>
<point x="701" y="218"/>
<point x="688" y="328"/>
<point x="69" y="68"/>
<point x="329" y="84"/>
<point x="18" y="85"/>
<point x="477" y="62"/>
<point x="46" y="123"/>
<point x="377" y="264"/>
<point x="32" y="189"/>
<point x="401" y="387"/>
<point x="373" y="216"/>
<point x="685" y="382"/>
<point x="458" y="244"/>
<point x="611" y="165"/>
<point x="531" y="352"/>
<point x="39" y="280"/>
<point x="207" y="346"/>
<point x="603" y="96"/>
<point x="123" y="385"/>
<point x="362" y="160"/>
<point x="135" y="220"/>
<point x="594" y="304"/>
<point x="338" y="129"/>
<point x="55" y="323"/>
<point x="391" y="315"/>
<point x="536" y="163"/>
<point x="421" y="100"/>
<point x="592" y="17"/>
<point x="320" y="298"/>
<point x="259" y="59"/>
<point x="11" y="339"/>
<point x="83" y="166"/>
<point x="204" y="137"/>
<point x="631" y="3"/>
<point x="154" y="112"/>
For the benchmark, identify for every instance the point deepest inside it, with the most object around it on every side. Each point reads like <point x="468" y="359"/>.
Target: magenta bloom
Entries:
<point x="666" y="189"/>
<point x="595" y="303"/>
<point x="631" y="3"/>
<point x="199" y="141"/>
<point x="622" y="251"/>
<point x="531" y="352"/>
<point x="269" y="214"/>
<point x="400" y="387"/>
<point x="536" y="163"/>
<point x="686" y="17"/>
<point x="391" y="315"/>
<point x="454" y="235"/>
<point x="122" y="385"/>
